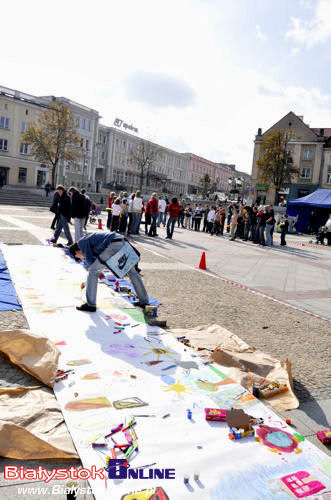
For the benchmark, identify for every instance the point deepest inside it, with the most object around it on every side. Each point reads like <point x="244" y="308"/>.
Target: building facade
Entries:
<point x="310" y="149"/>
<point x="219" y="174"/>
<point x="17" y="165"/>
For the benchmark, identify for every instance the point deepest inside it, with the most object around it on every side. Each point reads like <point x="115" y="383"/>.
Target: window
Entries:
<point x="329" y="160"/>
<point x="88" y="124"/>
<point x="24" y="149"/>
<point x="328" y="179"/>
<point x="41" y="177"/>
<point x="6" y="106"/>
<point x="307" y="154"/>
<point x="3" y="145"/>
<point x="24" y="126"/>
<point x="26" y="111"/>
<point x="99" y="138"/>
<point x="103" y="155"/>
<point x="83" y="123"/>
<point x="104" y="139"/>
<point x="87" y="145"/>
<point x="305" y="173"/>
<point x="22" y="175"/>
<point x="82" y="143"/>
<point x="4" y="122"/>
<point x="77" y="121"/>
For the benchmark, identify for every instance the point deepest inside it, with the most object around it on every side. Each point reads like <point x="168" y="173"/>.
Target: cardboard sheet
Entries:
<point x="242" y="362"/>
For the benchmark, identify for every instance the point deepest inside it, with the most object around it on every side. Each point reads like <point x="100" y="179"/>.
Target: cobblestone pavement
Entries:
<point x="192" y="298"/>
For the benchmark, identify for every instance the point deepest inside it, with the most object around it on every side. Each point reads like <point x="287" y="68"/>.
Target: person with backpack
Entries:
<point x="95" y="249"/>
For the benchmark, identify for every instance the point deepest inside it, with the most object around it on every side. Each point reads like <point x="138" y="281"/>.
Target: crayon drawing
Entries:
<point x="177" y="387"/>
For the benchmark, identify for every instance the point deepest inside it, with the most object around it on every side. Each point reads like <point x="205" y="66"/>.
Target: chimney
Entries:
<point x="322" y="132"/>
<point x="259" y="131"/>
<point x="301" y="117"/>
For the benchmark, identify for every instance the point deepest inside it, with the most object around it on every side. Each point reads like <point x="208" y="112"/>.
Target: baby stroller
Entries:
<point x="94" y="212"/>
<point x="320" y="235"/>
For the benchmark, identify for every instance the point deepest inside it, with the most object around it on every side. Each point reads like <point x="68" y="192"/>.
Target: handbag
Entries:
<point x="123" y="261"/>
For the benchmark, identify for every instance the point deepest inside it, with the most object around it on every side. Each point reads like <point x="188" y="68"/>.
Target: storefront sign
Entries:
<point x="121" y="123"/>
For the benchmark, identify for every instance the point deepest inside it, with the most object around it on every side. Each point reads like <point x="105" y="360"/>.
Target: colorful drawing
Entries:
<point x="159" y="352"/>
<point x="277" y="440"/>
<point x="117" y="316"/>
<point x="187" y="365"/>
<point x="129" y="350"/>
<point x="60" y="342"/>
<point x="88" y="404"/>
<point x="325" y="466"/>
<point x="128" y="403"/>
<point x="301" y="484"/>
<point x="209" y="386"/>
<point x="232" y="396"/>
<point x="156" y="493"/>
<point x="177" y="387"/>
<point x="79" y="362"/>
<point x="152" y="363"/>
<point x="91" y="376"/>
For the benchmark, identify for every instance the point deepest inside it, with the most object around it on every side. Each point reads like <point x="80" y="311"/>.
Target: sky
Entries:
<point x="197" y="76"/>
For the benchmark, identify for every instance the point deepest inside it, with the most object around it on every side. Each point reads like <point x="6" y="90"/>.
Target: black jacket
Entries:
<point x="64" y="205"/>
<point x="78" y="205"/>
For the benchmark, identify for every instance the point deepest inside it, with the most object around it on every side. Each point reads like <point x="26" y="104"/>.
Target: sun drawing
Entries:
<point x="159" y="352"/>
<point x="177" y="387"/>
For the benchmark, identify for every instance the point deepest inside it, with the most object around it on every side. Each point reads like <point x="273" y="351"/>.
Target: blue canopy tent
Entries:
<point x="319" y="201"/>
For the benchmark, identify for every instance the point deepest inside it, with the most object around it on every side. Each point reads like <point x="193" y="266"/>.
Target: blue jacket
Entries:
<point x="94" y="244"/>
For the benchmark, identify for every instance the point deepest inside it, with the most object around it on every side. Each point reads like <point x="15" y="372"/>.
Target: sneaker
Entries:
<point x="86" y="308"/>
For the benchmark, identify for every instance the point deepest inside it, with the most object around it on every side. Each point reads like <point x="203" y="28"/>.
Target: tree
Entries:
<point x="54" y="137"/>
<point x="144" y="157"/>
<point x="275" y="164"/>
<point x="205" y="184"/>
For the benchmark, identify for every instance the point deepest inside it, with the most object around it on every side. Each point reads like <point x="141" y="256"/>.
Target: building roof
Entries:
<point x="327" y="132"/>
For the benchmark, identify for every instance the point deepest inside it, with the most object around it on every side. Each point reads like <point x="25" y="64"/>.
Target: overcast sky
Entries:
<point x="195" y="76"/>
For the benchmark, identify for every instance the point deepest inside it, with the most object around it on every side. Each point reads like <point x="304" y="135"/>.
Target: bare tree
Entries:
<point x="144" y="157"/>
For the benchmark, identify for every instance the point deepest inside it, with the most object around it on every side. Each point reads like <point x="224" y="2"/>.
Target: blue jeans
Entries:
<point x="171" y="226"/>
<point x="162" y="218"/>
<point x="136" y="218"/>
<point x="62" y="223"/>
<point x="261" y="234"/>
<point x="268" y="234"/>
<point x="152" y="230"/>
<point x="96" y="268"/>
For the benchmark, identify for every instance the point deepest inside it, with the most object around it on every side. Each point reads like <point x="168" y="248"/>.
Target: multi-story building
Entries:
<point x="18" y="166"/>
<point x="218" y="173"/>
<point x="310" y="149"/>
<point x="167" y="172"/>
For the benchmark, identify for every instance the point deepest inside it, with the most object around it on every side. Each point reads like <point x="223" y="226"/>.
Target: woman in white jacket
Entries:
<point x="137" y="205"/>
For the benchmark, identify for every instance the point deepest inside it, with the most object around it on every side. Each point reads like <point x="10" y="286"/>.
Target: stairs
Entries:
<point x="23" y="197"/>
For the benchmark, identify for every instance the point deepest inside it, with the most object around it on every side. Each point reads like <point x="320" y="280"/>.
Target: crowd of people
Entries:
<point x="128" y="214"/>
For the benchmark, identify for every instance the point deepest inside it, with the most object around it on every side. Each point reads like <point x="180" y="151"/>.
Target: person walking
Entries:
<point x="78" y="211"/>
<point x="95" y="249"/>
<point x="137" y="207"/>
<point x="173" y="210"/>
<point x="153" y="209"/>
<point x="283" y="230"/>
<point x="64" y="210"/>
<point x="48" y="188"/>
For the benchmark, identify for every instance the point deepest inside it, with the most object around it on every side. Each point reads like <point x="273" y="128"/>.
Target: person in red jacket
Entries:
<point x="111" y="199"/>
<point x="173" y="209"/>
<point x="152" y="207"/>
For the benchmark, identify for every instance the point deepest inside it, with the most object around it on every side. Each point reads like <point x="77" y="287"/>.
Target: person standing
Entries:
<point x="248" y="225"/>
<point x="153" y="208"/>
<point x="253" y="224"/>
<point x="111" y="199"/>
<point x="162" y="211"/>
<point x="55" y="210"/>
<point x="173" y="210"/>
<point x="234" y="220"/>
<point x="130" y="212"/>
<point x="283" y="230"/>
<point x="123" y="216"/>
<point x="205" y="218"/>
<point x="262" y="224"/>
<point x="64" y="210"/>
<point x="181" y="214"/>
<point x="198" y="218"/>
<point x="328" y="230"/>
<point x="270" y="222"/>
<point x="222" y="220"/>
<point x="116" y="210"/>
<point x="137" y="207"/>
<point x="188" y="215"/>
<point x="210" y="220"/>
<point x="96" y="249"/>
<point x="2" y="180"/>
<point x="78" y="211"/>
<point x="217" y="222"/>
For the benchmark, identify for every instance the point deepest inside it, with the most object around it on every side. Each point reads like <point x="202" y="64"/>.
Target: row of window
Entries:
<point x="24" y="148"/>
<point x="83" y="123"/>
<point x="102" y="139"/>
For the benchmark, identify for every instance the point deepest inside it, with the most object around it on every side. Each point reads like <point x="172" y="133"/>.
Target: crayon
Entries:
<point x="113" y="431"/>
<point x="99" y="445"/>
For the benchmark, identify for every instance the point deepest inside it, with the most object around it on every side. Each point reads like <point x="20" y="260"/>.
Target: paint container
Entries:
<point x="116" y="286"/>
<point x="150" y="311"/>
<point x="186" y="479"/>
<point x="196" y="476"/>
<point x="189" y="414"/>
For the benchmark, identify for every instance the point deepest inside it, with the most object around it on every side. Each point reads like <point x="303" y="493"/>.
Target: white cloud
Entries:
<point x="294" y="51"/>
<point x="259" y="33"/>
<point x="317" y="30"/>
